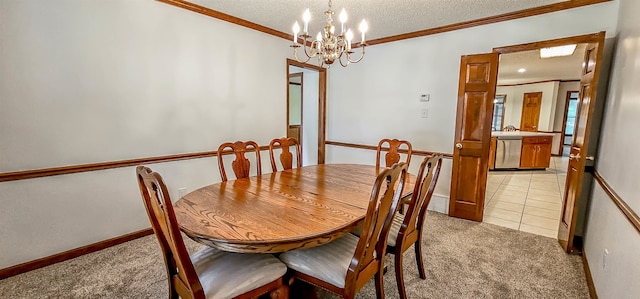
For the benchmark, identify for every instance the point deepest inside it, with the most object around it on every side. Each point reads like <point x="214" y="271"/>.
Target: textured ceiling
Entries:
<point x="394" y="17"/>
<point x="385" y="17"/>
<point x="538" y="69"/>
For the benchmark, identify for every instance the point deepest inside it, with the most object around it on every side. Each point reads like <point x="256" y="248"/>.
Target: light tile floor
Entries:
<point x="527" y="200"/>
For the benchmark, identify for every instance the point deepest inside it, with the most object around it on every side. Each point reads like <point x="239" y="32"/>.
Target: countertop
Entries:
<point x="518" y="133"/>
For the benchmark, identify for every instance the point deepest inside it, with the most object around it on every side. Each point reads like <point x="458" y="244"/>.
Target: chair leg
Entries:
<point x="379" y="285"/>
<point x="400" y="275"/>
<point x="418" y="247"/>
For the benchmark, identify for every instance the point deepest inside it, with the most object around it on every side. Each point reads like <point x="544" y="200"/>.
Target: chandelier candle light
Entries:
<point x="328" y="47"/>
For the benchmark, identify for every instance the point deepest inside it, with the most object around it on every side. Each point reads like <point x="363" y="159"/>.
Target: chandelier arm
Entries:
<point x="312" y="50"/>
<point x="342" y="63"/>
<point x="361" y="56"/>
<point x="295" y="54"/>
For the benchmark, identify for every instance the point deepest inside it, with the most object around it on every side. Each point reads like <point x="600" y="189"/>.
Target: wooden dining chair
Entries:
<point x="286" y="158"/>
<point x="406" y="229"/>
<point x="241" y="165"/>
<point x="344" y="266"/>
<point x="392" y="156"/>
<point x="209" y="273"/>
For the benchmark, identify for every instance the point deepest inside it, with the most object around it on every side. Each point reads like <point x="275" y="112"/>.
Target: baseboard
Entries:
<point x="439" y="203"/>
<point x="587" y="274"/>
<point x="73" y="253"/>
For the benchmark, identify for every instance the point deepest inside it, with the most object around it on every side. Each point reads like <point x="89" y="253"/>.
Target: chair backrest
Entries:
<point x="371" y="249"/>
<point x="286" y="158"/>
<point x="392" y="155"/>
<point x="183" y="279"/>
<point x="241" y="165"/>
<point x="422" y="192"/>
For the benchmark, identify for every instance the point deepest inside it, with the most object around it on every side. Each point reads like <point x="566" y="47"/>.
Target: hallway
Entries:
<point x="527" y="200"/>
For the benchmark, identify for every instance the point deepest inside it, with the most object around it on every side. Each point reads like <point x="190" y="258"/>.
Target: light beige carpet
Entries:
<point x="463" y="259"/>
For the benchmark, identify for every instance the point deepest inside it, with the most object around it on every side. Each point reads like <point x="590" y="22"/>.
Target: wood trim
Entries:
<point x="45" y="172"/>
<point x="375" y="148"/>
<point x="73" y="253"/>
<point x="452" y="27"/>
<point x="622" y="205"/>
<point x="488" y="20"/>
<point x="227" y="18"/>
<point x="579" y="39"/>
<point x="568" y="81"/>
<point x="305" y="65"/>
<point x="587" y="273"/>
<point x="537" y="82"/>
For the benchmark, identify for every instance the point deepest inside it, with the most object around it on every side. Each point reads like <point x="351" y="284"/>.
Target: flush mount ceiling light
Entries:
<point x="328" y="46"/>
<point x="522" y="70"/>
<point x="558" y="51"/>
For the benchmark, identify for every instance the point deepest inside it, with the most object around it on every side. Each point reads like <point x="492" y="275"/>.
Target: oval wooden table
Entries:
<point x="277" y="212"/>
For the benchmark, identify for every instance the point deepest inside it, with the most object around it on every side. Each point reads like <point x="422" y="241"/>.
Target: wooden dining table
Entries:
<point x="281" y="211"/>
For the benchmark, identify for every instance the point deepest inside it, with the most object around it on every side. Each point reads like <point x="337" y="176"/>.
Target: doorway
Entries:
<point x="533" y="200"/>
<point x="306" y="103"/>
<point x="529" y="199"/>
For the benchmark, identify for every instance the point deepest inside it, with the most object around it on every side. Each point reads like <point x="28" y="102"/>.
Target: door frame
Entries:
<point x="322" y="104"/>
<point x="581" y="39"/>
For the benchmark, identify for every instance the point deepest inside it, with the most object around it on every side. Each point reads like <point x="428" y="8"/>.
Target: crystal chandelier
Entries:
<point x="328" y="47"/>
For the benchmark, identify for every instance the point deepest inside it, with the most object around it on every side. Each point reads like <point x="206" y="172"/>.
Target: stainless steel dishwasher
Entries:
<point x="508" y="150"/>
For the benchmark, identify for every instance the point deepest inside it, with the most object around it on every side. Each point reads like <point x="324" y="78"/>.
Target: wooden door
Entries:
<point x="476" y="91"/>
<point x="531" y="111"/>
<point x="580" y="144"/>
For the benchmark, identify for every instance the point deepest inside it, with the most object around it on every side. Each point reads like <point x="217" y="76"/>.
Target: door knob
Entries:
<point x="572" y="156"/>
<point x="459" y="145"/>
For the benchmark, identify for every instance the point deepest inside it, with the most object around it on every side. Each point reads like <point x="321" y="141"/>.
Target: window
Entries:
<point x="572" y="111"/>
<point x="498" y="112"/>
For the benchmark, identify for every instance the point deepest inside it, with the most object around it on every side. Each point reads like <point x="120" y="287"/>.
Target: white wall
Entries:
<point x="515" y="98"/>
<point x="309" y="114"/>
<point x="617" y="162"/>
<point x="379" y="97"/>
<point x="94" y="81"/>
<point x="295" y="101"/>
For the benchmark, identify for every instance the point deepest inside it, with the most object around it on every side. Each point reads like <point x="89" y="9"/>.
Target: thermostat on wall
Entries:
<point x="424" y="97"/>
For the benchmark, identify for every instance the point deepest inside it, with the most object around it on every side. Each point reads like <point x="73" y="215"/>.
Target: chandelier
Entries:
<point x="328" y="47"/>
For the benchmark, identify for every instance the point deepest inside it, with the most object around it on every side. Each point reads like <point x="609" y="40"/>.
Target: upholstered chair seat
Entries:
<point x="395" y="229"/>
<point x="405" y="230"/>
<point x="343" y="266"/>
<point x="208" y="273"/>
<point x="227" y="275"/>
<point x="328" y="262"/>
